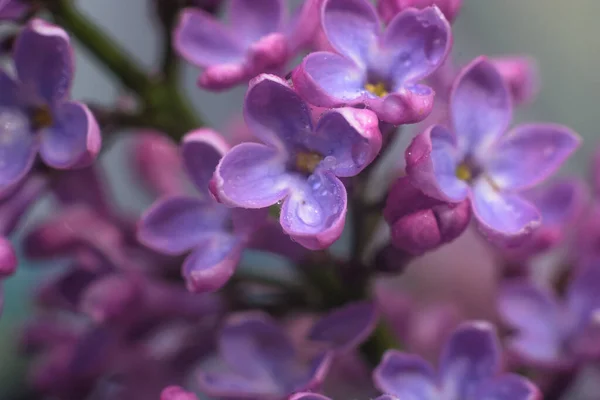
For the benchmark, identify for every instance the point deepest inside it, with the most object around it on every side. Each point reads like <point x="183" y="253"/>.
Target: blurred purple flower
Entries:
<point x="315" y="396"/>
<point x="13" y="9"/>
<point x="299" y="165"/>
<point x="177" y="393"/>
<point x="375" y="69"/>
<point x="36" y="114"/>
<point x="479" y="161"/>
<point x="521" y="75"/>
<point x="469" y="369"/>
<point x="262" y="362"/>
<point x="551" y="332"/>
<point x="388" y="9"/>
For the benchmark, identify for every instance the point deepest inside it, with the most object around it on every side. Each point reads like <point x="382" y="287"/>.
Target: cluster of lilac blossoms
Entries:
<point x="262" y="268"/>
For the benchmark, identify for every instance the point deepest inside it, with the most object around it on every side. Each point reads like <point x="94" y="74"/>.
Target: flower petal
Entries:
<point x="315" y="211"/>
<point x="418" y="42"/>
<point x="529" y="154"/>
<point x="308" y="396"/>
<point x="203" y="41"/>
<point x="275" y="113"/>
<point x="504" y="218"/>
<point x="254" y="19"/>
<point x="223" y="76"/>
<point x="17" y="202"/>
<point x="202" y="150"/>
<point x="351" y="136"/>
<point x="329" y="80"/>
<point x="8" y="258"/>
<point x="226" y="385"/>
<point x="177" y="393"/>
<point x="560" y="203"/>
<point x="583" y="297"/>
<point x="346" y="327"/>
<point x="352" y="27"/>
<point x="405" y="376"/>
<point x="252" y="175"/>
<point x="212" y="263"/>
<point x="74" y="140"/>
<point x="18" y="147"/>
<point x="44" y="60"/>
<point x="83" y="186"/>
<point x="431" y="163"/>
<point x="508" y="387"/>
<point x="471" y="356"/>
<point x="534" y="313"/>
<point x="480" y="106"/>
<point x="409" y="104"/>
<point x="174" y="225"/>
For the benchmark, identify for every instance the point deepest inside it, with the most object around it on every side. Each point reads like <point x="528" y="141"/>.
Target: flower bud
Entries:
<point x="521" y="75"/>
<point x="420" y="223"/>
<point x="388" y="9"/>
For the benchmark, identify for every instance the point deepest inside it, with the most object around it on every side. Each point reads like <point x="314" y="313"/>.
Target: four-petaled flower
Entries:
<point x="378" y="70"/>
<point x="35" y="112"/>
<point x="479" y="161"/>
<point x="469" y="369"/>
<point x="298" y="164"/>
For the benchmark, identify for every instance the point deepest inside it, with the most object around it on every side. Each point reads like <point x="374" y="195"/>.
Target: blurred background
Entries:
<point x="561" y="35"/>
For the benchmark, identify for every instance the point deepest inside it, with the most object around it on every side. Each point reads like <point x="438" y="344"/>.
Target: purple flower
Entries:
<point x="299" y="165"/>
<point x="315" y="396"/>
<point x="421" y="223"/>
<point x="254" y="42"/>
<point x="177" y="224"/>
<point x="177" y="393"/>
<point x="262" y="362"/>
<point x="553" y="332"/>
<point x="479" y="161"/>
<point x="13" y="9"/>
<point x="469" y="369"/>
<point x="377" y="69"/>
<point x="388" y="9"/>
<point x="35" y="111"/>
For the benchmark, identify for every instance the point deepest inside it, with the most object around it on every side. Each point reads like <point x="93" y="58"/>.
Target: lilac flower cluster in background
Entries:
<point x="264" y="269"/>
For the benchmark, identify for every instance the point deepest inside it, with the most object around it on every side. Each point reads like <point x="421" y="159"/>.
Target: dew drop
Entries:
<point x="309" y="213"/>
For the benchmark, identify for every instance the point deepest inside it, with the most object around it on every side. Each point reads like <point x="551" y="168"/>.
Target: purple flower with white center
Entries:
<point x="388" y="9"/>
<point x="551" y="332"/>
<point x="297" y="165"/>
<point x="479" y="161"/>
<point x="262" y="362"/>
<point x="469" y="369"/>
<point x="253" y="42"/>
<point x="379" y="70"/>
<point x="36" y="114"/>
<point x="215" y="235"/>
<point x="315" y="396"/>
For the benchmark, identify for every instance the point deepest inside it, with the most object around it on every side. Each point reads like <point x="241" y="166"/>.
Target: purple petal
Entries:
<point x="352" y="27"/>
<point x="223" y="76"/>
<point x="177" y="393"/>
<point x="275" y="113"/>
<point x="534" y="313"/>
<point x="8" y="258"/>
<point x="505" y="218"/>
<point x="480" y="106"/>
<point x="418" y="42"/>
<point x="212" y="263"/>
<point x="583" y="297"/>
<point x="529" y="154"/>
<point x="388" y="9"/>
<point x="82" y="186"/>
<point x="255" y="346"/>
<point x="314" y="213"/>
<point x="308" y="396"/>
<point x="203" y="41"/>
<point x="347" y="327"/>
<point x="268" y="54"/>
<point x="351" y="136"/>
<point x="560" y="203"/>
<point x="231" y="386"/>
<point x="254" y="19"/>
<point x="405" y="376"/>
<point x="431" y="163"/>
<point x="202" y="150"/>
<point x="410" y="104"/>
<point x="508" y="387"/>
<point x="44" y="60"/>
<point x="252" y="175"/>
<point x="74" y="140"/>
<point x="174" y="225"/>
<point x="17" y="203"/>
<point x="329" y="80"/>
<point x="18" y="147"/>
<point x="10" y="91"/>
<point x="471" y="356"/>
<point x="521" y="75"/>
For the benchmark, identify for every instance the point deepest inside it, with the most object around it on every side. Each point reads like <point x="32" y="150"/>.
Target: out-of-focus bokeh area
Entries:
<point x="561" y="35"/>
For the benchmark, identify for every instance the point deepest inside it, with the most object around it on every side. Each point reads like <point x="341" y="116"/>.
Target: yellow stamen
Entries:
<point x="378" y="89"/>
<point x="41" y="117"/>
<point x="307" y="162"/>
<point x="463" y="172"/>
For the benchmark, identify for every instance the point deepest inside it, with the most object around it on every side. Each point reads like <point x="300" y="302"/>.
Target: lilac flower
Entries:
<point x="552" y="332"/>
<point x="379" y="70"/>
<point x="479" y="161"/>
<point x="315" y="396"/>
<point x="255" y="41"/>
<point x="13" y="9"/>
<point x="177" y="224"/>
<point x="261" y="362"/>
<point x="298" y="166"/>
<point x="469" y="369"/>
<point x="35" y="111"/>
<point x="388" y="9"/>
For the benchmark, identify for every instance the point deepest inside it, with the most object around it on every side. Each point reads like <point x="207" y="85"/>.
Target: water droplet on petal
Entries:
<point x="309" y="213"/>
